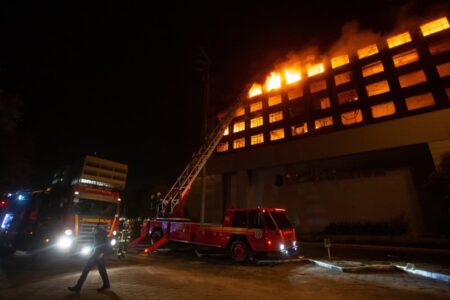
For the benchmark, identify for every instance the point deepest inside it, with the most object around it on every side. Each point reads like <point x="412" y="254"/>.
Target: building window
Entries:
<point x="343" y="78"/>
<point x="339" y="61"/>
<point x="318" y="86"/>
<point x="322" y="103"/>
<point x="434" y="26"/>
<point x="255" y="90"/>
<point x="226" y="131"/>
<point x="377" y="88"/>
<point x="257" y="139"/>
<point x="351" y="117"/>
<point x="443" y="70"/>
<point x="324" y="122"/>
<point x="299" y="129"/>
<point x="239" y="143"/>
<point x="383" y="109"/>
<point x="277" y="134"/>
<point x="255" y="106"/>
<point x="222" y="147"/>
<point x="373" y="68"/>
<point x="240" y="112"/>
<point x="275" y="117"/>
<point x="419" y="101"/>
<point x="412" y="78"/>
<point x="399" y="39"/>
<point x="439" y="47"/>
<point x="367" y="51"/>
<point x="405" y="58"/>
<point x="347" y="96"/>
<point x="315" y="69"/>
<point x="274" y="100"/>
<point x="295" y="93"/>
<point x="239" y="126"/>
<point x="255" y="122"/>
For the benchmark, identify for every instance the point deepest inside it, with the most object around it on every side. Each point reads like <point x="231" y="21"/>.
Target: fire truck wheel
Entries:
<point x="155" y="236"/>
<point x="239" y="251"/>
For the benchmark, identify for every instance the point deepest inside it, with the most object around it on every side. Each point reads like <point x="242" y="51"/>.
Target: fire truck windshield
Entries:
<point x="280" y="219"/>
<point x="86" y="207"/>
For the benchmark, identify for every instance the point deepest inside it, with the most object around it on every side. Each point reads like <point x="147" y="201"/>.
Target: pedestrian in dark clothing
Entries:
<point x="98" y="256"/>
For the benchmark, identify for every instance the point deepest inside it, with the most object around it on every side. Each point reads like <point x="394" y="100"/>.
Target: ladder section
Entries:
<point x="177" y="194"/>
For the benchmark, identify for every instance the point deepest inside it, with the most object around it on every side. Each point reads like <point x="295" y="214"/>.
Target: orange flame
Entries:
<point x="315" y="69"/>
<point x="273" y="81"/>
<point x="292" y="75"/>
<point x="255" y="90"/>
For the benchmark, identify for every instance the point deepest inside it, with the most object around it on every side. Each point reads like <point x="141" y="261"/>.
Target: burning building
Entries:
<point x="347" y="143"/>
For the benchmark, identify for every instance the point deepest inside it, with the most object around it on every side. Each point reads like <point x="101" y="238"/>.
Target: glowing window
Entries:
<point x="347" y="96"/>
<point x="275" y="117"/>
<point x="274" y="100"/>
<point x="299" y="129"/>
<point x="443" y="70"/>
<point x="295" y="93"/>
<point x="222" y="147"/>
<point x="255" y="90"/>
<point x="373" y="68"/>
<point x="434" y="26"/>
<point x="351" y="117"/>
<point x="239" y="126"/>
<point x="239" y="143"/>
<point x="324" y="122"/>
<point x="439" y="47"/>
<point x="368" y="51"/>
<point x="257" y="139"/>
<point x="399" y="39"/>
<point x="317" y="86"/>
<point x="339" y="61"/>
<point x="240" y="112"/>
<point x="405" y="58"/>
<point x="343" y="78"/>
<point x="255" y="106"/>
<point x="315" y="69"/>
<point x="383" y="109"/>
<point x="292" y="75"/>
<point x="412" y="78"/>
<point x="277" y="134"/>
<point x="419" y="101"/>
<point x="226" y="131"/>
<point x="377" y="88"/>
<point x="255" y="122"/>
<point x="322" y="103"/>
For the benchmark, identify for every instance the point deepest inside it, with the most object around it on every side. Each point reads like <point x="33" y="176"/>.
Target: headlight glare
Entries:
<point x="113" y="242"/>
<point x="64" y="242"/>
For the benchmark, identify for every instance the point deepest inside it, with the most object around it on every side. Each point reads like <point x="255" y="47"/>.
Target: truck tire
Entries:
<point x="239" y="251"/>
<point x="155" y="236"/>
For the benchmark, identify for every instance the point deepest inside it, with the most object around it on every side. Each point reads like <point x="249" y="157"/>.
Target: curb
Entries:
<point x="410" y="268"/>
<point x="280" y="261"/>
<point x="353" y="269"/>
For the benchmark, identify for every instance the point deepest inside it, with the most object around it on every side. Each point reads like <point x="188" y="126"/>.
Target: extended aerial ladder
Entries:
<point x="172" y="203"/>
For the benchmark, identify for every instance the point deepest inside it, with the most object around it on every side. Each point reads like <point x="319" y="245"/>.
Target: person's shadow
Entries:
<point x="110" y="294"/>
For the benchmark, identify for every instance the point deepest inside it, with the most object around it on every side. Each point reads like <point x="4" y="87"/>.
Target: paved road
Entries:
<point x="182" y="275"/>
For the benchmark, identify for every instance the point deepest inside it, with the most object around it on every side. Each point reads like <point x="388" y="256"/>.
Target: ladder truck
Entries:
<point x="244" y="231"/>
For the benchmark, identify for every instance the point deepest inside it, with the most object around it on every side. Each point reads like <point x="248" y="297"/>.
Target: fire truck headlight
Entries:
<point x="281" y="246"/>
<point x="64" y="242"/>
<point x="294" y="243"/>
<point x="114" y="232"/>
<point x="86" y="250"/>
<point x="113" y="242"/>
<point x="68" y="232"/>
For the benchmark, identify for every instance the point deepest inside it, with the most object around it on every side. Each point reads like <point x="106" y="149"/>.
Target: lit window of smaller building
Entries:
<point x="439" y="47"/>
<point x="377" y="88"/>
<point x="226" y="131"/>
<point x="299" y="129"/>
<point x="443" y="70"/>
<point x="317" y="86"/>
<point x="295" y="93"/>
<point x="255" y="106"/>
<point x="405" y="58"/>
<point x="275" y="117"/>
<point x="338" y="61"/>
<point x="373" y="68"/>
<point x="239" y="126"/>
<point x="274" y="100"/>
<point x="419" y="101"/>
<point x="434" y="26"/>
<point x="383" y="109"/>
<point x="347" y="96"/>
<point x="322" y="103"/>
<point x="240" y="112"/>
<point x="239" y="143"/>
<point x="399" y="39"/>
<point x="323" y="122"/>
<point x="351" y="117"/>
<point x="255" y="122"/>
<point x="343" y="78"/>
<point x="277" y="134"/>
<point x="222" y="147"/>
<point x="367" y="51"/>
<point x="412" y="78"/>
<point x="257" y="139"/>
<point x="315" y="69"/>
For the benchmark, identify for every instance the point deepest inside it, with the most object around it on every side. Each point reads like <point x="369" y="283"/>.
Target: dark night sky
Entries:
<point x="122" y="79"/>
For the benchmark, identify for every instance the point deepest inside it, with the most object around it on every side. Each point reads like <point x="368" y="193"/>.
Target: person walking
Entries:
<point x="98" y="257"/>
